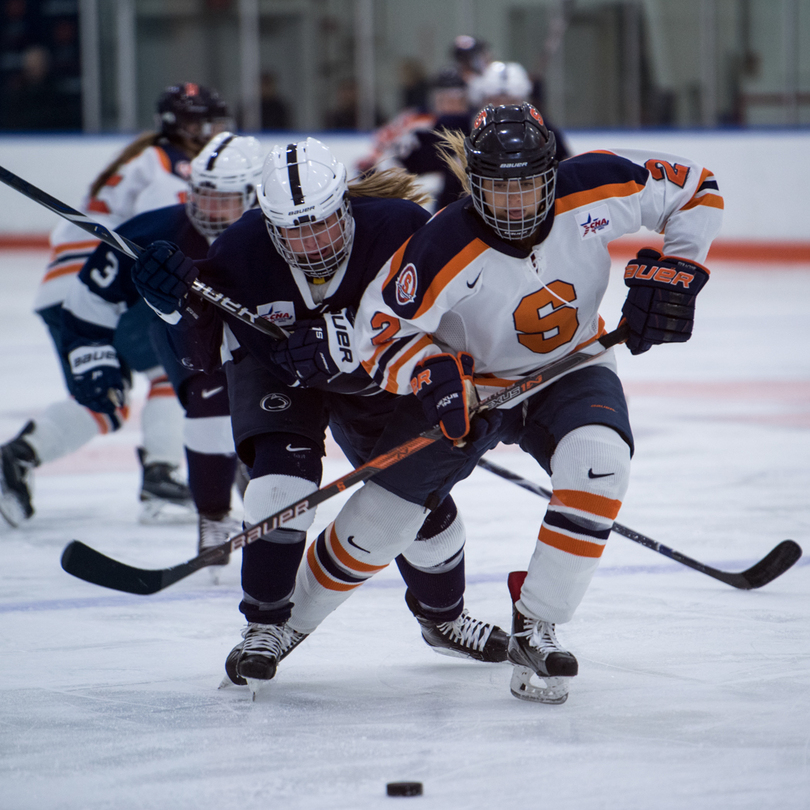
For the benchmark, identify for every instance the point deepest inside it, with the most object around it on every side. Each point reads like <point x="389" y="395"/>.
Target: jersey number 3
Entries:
<point x="544" y="320"/>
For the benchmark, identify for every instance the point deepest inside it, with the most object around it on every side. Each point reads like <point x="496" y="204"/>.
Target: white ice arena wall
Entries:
<point x="764" y="177"/>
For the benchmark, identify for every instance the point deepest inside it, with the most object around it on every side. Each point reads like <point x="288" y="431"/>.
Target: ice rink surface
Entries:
<point x="691" y="694"/>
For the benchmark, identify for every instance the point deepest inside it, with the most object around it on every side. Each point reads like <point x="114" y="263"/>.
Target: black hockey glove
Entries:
<point x="660" y="307"/>
<point x="319" y="350"/>
<point x="444" y="385"/>
<point x="163" y="275"/>
<point x="97" y="382"/>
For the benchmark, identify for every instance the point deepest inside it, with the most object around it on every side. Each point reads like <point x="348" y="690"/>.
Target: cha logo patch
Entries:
<point x="593" y="221"/>
<point x="279" y="312"/>
<point x="406" y="285"/>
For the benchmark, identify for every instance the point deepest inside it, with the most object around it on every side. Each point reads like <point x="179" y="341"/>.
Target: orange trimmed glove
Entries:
<point x="443" y="383"/>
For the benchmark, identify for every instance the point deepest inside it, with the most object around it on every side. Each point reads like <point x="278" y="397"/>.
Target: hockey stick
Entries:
<point x="132" y="250"/>
<point x="90" y="565"/>
<point x="771" y="566"/>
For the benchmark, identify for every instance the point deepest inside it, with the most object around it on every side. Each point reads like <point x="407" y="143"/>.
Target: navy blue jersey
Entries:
<point x="107" y="274"/>
<point x="244" y="265"/>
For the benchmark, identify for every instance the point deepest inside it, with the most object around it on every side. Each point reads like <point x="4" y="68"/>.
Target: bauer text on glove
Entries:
<point x="318" y="350"/>
<point x="97" y="382"/>
<point x="660" y="306"/>
<point x="443" y="383"/>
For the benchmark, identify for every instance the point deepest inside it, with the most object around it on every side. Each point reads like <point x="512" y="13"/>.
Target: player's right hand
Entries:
<point x="97" y="381"/>
<point x="164" y="275"/>
<point x="443" y="384"/>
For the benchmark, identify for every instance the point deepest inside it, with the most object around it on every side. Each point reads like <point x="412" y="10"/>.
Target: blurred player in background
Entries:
<point x="224" y="179"/>
<point x="303" y="262"/>
<point x="496" y="286"/>
<point x="152" y="172"/>
<point x="414" y="142"/>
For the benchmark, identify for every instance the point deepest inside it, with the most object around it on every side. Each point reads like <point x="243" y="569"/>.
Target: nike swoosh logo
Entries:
<point x="209" y="392"/>
<point x="296" y="449"/>
<point x="350" y="541"/>
<point x="592" y="474"/>
<point x="474" y="282"/>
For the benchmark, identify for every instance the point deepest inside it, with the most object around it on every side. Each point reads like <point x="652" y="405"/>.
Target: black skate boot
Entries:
<point x="161" y="486"/>
<point x="257" y="657"/>
<point x="17" y="459"/>
<point x="463" y="638"/>
<point x="534" y="650"/>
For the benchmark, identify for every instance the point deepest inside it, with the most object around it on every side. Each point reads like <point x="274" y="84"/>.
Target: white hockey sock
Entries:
<point x="432" y="553"/>
<point x="61" y="429"/>
<point x="211" y="435"/>
<point x="590" y="474"/>
<point x="371" y="529"/>
<point x="269" y="493"/>
<point x="162" y="422"/>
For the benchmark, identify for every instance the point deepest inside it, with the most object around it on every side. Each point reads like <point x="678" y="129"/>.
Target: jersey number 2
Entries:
<point x="544" y="320"/>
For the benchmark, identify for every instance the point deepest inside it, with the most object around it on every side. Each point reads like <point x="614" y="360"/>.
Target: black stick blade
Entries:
<point x="773" y="565"/>
<point x="92" y="566"/>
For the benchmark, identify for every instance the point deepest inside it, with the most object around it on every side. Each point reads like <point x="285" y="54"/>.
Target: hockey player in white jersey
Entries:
<point x="151" y="172"/>
<point x="499" y="284"/>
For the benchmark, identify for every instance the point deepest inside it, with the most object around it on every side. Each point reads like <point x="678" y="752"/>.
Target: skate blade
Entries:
<point x="555" y="690"/>
<point x="11" y="510"/>
<point x="256" y="687"/>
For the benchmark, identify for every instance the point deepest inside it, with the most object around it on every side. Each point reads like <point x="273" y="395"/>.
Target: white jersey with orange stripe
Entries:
<point x="155" y="178"/>
<point x="456" y="286"/>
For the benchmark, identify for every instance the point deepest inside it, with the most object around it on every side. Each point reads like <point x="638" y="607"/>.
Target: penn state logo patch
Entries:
<point x="406" y="285"/>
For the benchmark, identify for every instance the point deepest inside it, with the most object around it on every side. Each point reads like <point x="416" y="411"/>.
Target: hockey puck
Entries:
<point x="404" y="788"/>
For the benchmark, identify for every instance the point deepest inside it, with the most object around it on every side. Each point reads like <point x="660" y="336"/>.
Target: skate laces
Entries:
<point x="541" y="636"/>
<point x="269" y="639"/>
<point x="467" y="631"/>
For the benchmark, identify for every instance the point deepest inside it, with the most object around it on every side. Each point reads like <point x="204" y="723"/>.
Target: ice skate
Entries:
<point x="535" y="651"/>
<point x="215" y="529"/>
<point x="254" y="660"/>
<point x="17" y="459"/>
<point x="165" y="498"/>
<point x="463" y="638"/>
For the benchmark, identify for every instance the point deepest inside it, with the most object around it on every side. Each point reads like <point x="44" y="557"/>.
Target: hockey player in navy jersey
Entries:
<point x="303" y="262"/>
<point x="98" y="346"/>
<point x="500" y="283"/>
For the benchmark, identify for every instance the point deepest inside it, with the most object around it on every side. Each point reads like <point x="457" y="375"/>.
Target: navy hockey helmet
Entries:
<point x="512" y="168"/>
<point x="192" y="112"/>
<point x="471" y="54"/>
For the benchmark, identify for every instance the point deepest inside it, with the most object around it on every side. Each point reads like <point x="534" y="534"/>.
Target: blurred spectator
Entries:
<point x="470" y="55"/>
<point x="414" y="84"/>
<point x="40" y="78"/>
<point x="275" y="112"/>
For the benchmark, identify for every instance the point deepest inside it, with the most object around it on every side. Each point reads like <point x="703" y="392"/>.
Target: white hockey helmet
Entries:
<point x="224" y="179"/>
<point x="305" y="201"/>
<point x="500" y="83"/>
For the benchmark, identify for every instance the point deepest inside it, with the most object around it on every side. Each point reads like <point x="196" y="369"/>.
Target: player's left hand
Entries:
<point x="164" y="275"/>
<point x="660" y="307"/>
<point x="97" y="382"/>
<point x="318" y="350"/>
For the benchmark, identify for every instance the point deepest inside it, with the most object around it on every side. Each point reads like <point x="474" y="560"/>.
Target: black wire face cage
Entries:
<point x="321" y="245"/>
<point x="212" y="210"/>
<point x="514" y="207"/>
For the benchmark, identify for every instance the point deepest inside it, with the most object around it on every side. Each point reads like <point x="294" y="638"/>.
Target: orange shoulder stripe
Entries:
<point x="164" y="159"/>
<point x="592" y="195"/>
<point x="711" y="200"/>
<point x="571" y="545"/>
<point x="64" y="270"/>
<point x="469" y="253"/>
<point x="396" y="262"/>
<point x="72" y="247"/>
<point x="98" y="206"/>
